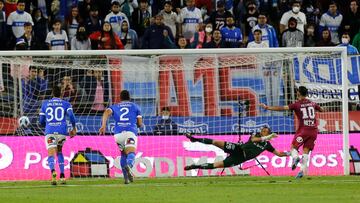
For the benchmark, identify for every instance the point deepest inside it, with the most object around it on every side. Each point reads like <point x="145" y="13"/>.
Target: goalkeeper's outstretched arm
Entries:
<point x="275" y="108"/>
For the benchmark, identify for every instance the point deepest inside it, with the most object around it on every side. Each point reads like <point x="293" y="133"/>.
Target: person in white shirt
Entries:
<point x="81" y="41"/>
<point x="258" y="43"/>
<point x="57" y="39"/>
<point x="190" y="17"/>
<point x="332" y="20"/>
<point x="116" y="17"/>
<point x="295" y="13"/>
<point x="18" y="18"/>
<point x="170" y="17"/>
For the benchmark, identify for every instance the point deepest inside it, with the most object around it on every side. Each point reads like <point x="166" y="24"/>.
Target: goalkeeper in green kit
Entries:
<point x="239" y="152"/>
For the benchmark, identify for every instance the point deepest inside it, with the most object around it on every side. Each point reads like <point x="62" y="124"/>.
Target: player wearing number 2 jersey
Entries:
<point x="306" y="134"/>
<point x="53" y="115"/>
<point x="127" y="118"/>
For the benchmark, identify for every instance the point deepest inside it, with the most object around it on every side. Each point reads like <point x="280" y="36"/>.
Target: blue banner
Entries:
<point x="199" y="125"/>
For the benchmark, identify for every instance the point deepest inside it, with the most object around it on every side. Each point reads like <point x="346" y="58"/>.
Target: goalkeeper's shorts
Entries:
<point x="125" y="139"/>
<point x="236" y="154"/>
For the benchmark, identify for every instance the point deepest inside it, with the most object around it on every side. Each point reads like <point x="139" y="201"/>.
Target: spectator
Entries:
<point x="202" y="36"/>
<point x="293" y="13"/>
<point x="93" y="24"/>
<point x="40" y="28"/>
<point x="332" y="19"/>
<point x="2" y="27"/>
<point x="180" y="44"/>
<point x="292" y="37"/>
<point x="31" y="41"/>
<point x="72" y="22"/>
<point x="106" y="38"/>
<point x="345" y="42"/>
<point x="116" y="17"/>
<point x="16" y="21"/>
<point x="251" y="18"/>
<point x="311" y="11"/>
<point x="257" y="43"/>
<point x="154" y="37"/>
<point x="218" y="17"/>
<point x="21" y="44"/>
<point x="10" y="6"/>
<point x="310" y="40"/>
<point x="128" y="36"/>
<point x="231" y="34"/>
<point x="81" y="40"/>
<point x="268" y="32"/>
<point x="206" y="4"/>
<point x="128" y="7"/>
<point x="351" y="21"/>
<point x="33" y="90"/>
<point x="85" y="7"/>
<point x="189" y="17"/>
<point x="68" y="90"/>
<point x="170" y="17"/>
<point x="57" y="38"/>
<point x="141" y="18"/>
<point x="165" y="126"/>
<point x="325" y="39"/>
<point x="216" y="42"/>
<point x="101" y="92"/>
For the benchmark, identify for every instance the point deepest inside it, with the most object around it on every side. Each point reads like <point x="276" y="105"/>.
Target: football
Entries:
<point x="24" y="121"/>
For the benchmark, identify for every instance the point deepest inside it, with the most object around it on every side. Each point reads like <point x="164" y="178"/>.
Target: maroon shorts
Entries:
<point x="306" y="137"/>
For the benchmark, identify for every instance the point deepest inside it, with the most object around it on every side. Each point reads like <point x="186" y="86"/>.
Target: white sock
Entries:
<point x="305" y="159"/>
<point x="294" y="154"/>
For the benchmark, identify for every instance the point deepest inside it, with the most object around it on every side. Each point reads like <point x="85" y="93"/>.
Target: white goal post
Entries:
<point x="212" y="108"/>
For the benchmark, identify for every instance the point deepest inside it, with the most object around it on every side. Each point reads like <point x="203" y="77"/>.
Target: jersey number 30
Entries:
<point x="58" y="113"/>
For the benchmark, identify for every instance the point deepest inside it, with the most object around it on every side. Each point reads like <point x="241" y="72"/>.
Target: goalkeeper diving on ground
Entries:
<point x="239" y="152"/>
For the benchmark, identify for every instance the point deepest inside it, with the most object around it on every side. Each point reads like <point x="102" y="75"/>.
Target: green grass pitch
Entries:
<point x="202" y="189"/>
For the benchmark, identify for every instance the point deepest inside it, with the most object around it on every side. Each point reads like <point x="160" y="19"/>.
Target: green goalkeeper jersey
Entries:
<point x="253" y="149"/>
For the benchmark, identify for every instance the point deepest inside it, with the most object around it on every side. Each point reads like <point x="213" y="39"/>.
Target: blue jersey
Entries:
<point x="232" y="36"/>
<point x="53" y="114"/>
<point x="125" y="115"/>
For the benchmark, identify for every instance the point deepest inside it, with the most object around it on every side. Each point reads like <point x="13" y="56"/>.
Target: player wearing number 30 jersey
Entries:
<point x="306" y="134"/>
<point x="127" y="118"/>
<point x="53" y="114"/>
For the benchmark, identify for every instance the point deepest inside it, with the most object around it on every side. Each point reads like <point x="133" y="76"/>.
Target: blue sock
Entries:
<point x="130" y="159"/>
<point x="60" y="157"/>
<point x="123" y="164"/>
<point x="51" y="163"/>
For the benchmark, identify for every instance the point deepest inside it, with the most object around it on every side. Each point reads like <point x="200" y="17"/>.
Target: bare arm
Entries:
<point x="139" y="122"/>
<point x="104" y="119"/>
<point x="275" y="108"/>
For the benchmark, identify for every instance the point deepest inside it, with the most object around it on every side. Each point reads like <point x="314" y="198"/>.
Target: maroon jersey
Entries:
<point x="305" y="112"/>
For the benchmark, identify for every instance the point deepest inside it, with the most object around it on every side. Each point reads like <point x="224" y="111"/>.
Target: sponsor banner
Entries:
<point x="199" y="125"/>
<point x="25" y="158"/>
<point x="322" y="76"/>
<point x="332" y="121"/>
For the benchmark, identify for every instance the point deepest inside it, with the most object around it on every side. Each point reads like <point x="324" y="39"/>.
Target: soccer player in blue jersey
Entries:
<point x="53" y="115"/>
<point x="127" y="118"/>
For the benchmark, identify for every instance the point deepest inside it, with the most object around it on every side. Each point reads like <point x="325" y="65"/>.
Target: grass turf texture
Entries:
<point x="203" y="189"/>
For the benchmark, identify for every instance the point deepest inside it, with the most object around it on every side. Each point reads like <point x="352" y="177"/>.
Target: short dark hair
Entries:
<point x="20" y="1"/>
<point x="56" y="91"/>
<point x="27" y="24"/>
<point x="303" y="91"/>
<point x="125" y="95"/>
<point x="57" y="20"/>
<point x="168" y="3"/>
<point x="165" y="108"/>
<point x="267" y="127"/>
<point x="258" y="30"/>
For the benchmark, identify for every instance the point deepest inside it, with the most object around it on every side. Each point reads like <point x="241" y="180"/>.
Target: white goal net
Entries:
<point x="210" y="93"/>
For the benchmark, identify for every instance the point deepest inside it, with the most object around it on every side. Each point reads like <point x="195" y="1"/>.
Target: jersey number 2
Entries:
<point x="122" y="116"/>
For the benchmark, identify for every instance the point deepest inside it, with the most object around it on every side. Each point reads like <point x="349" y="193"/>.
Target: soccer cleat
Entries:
<point x="130" y="173"/>
<point x="295" y="163"/>
<point x="299" y="175"/>
<point x="190" y="137"/>
<point x="190" y="167"/>
<point x="53" y="178"/>
<point x="62" y="179"/>
<point x="127" y="181"/>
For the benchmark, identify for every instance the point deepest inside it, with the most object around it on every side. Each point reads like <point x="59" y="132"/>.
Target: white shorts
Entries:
<point x="125" y="139"/>
<point x="54" y="140"/>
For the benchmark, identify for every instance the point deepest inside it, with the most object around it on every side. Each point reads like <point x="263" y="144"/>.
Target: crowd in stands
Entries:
<point x="177" y="24"/>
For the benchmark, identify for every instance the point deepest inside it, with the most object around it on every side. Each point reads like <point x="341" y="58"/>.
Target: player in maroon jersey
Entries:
<point x="307" y="131"/>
